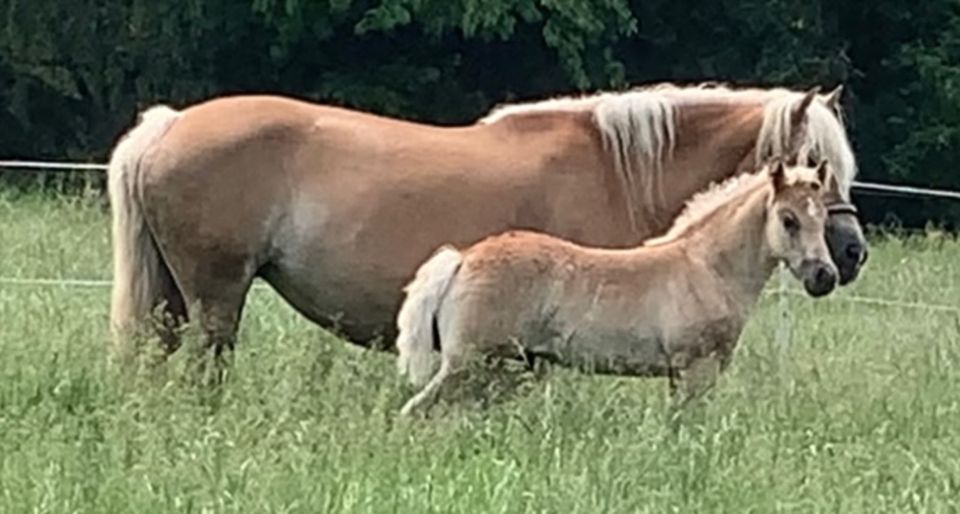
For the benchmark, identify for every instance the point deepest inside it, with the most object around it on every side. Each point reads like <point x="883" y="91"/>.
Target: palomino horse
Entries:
<point x="674" y="306"/>
<point x="335" y="209"/>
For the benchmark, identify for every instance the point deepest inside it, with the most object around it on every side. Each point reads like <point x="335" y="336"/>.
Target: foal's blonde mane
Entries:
<point x="639" y="127"/>
<point x="705" y="203"/>
<point x="718" y="196"/>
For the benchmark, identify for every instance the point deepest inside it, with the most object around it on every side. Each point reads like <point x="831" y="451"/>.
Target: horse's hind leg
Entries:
<point x="173" y="313"/>
<point x="215" y="301"/>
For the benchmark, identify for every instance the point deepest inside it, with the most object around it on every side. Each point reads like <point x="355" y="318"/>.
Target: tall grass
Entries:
<point x="861" y="413"/>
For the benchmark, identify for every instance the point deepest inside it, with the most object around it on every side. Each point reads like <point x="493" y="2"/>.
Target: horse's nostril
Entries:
<point x="855" y="251"/>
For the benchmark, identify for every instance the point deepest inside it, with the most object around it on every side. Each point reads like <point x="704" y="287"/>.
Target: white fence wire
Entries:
<point x="782" y="292"/>
<point x="67" y="282"/>
<point x="52" y="166"/>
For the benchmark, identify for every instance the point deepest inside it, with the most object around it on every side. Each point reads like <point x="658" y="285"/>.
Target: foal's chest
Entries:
<point x="701" y="338"/>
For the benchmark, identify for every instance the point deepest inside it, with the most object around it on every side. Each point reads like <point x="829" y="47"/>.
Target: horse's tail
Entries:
<point x="415" y="341"/>
<point x="138" y="268"/>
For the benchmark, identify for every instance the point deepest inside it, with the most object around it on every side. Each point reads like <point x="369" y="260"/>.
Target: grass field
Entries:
<point x="860" y="414"/>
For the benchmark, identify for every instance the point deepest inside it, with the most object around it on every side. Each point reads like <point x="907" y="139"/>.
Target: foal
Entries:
<point x="673" y="307"/>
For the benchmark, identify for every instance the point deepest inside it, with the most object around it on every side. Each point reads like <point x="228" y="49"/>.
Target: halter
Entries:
<point x="842" y="208"/>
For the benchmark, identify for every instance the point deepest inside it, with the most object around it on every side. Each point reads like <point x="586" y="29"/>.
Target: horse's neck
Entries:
<point x="713" y="143"/>
<point x="732" y="243"/>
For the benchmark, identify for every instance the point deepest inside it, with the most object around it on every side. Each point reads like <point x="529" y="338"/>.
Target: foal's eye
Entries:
<point x="790" y="222"/>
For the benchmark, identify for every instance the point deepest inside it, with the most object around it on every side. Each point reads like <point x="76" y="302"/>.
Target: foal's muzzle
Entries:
<point x="819" y="277"/>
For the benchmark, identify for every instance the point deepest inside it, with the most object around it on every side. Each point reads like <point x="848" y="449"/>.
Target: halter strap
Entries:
<point x="842" y="208"/>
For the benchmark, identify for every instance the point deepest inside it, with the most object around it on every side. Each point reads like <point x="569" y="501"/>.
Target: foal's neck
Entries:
<point x="733" y="245"/>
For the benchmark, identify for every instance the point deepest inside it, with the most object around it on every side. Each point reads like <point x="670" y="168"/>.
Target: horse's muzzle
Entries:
<point x="848" y="246"/>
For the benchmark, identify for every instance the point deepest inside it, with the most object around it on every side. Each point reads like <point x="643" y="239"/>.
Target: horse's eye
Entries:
<point x="790" y="222"/>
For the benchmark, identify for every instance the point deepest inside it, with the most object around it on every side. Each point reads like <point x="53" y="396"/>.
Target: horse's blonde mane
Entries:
<point x="639" y="130"/>
<point x="676" y="94"/>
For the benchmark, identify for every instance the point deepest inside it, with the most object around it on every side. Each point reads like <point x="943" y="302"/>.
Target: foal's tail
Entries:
<point x="138" y="269"/>
<point x="419" y="311"/>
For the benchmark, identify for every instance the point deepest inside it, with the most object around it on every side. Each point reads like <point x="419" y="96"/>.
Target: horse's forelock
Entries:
<point x="821" y="136"/>
<point x="827" y="139"/>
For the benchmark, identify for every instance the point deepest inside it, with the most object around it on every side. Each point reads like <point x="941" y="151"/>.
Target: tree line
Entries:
<point x="74" y="73"/>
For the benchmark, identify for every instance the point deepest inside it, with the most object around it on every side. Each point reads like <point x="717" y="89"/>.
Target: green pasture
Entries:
<point x="860" y="413"/>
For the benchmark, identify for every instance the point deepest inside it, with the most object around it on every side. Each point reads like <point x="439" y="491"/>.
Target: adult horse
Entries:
<point x="335" y="208"/>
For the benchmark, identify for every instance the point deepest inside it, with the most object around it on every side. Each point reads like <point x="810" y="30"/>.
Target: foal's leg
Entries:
<point x="452" y="363"/>
<point x="429" y="394"/>
<point x="699" y="377"/>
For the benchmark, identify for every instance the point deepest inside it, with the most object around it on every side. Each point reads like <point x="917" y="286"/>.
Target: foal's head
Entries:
<point x="796" y="222"/>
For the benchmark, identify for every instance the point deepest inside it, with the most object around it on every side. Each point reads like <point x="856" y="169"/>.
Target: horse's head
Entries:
<point x="796" y="219"/>
<point x="809" y="129"/>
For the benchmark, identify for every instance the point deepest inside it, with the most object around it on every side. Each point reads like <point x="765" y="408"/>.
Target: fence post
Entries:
<point x="784" y="326"/>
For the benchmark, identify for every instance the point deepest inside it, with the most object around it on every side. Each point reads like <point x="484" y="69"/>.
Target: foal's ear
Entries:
<point x="822" y="172"/>
<point x="778" y="173"/>
<point x="799" y="110"/>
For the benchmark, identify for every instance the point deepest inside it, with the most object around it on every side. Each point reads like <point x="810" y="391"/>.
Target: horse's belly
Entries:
<point x="344" y="306"/>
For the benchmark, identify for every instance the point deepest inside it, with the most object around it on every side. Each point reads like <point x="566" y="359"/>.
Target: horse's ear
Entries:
<point x="778" y="173"/>
<point x="799" y="109"/>
<point x="832" y="99"/>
